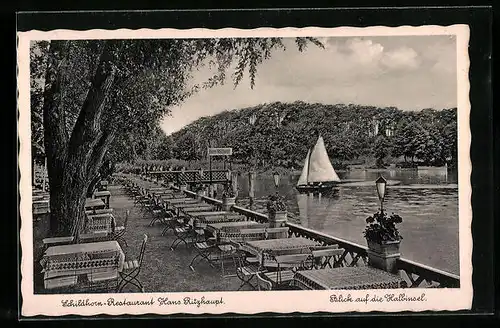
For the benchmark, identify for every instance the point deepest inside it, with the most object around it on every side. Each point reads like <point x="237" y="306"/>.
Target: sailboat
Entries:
<point x="317" y="174"/>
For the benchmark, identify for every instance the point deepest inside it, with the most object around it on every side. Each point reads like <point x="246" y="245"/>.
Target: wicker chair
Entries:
<point x="132" y="268"/>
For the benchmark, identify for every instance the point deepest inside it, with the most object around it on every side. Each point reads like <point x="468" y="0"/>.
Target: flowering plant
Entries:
<point x="381" y="227"/>
<point x="228" y="192"/>
<point x="198" y="187"/>
<point x="275" y="204"/>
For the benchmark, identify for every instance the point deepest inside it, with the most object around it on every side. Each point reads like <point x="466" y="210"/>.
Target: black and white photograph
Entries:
<point x="184" y="171"/>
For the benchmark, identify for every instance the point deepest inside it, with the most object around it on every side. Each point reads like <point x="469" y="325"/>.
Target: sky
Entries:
<point x="407" y="72"/>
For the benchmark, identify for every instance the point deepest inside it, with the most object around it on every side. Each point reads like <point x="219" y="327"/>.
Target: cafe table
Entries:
<point x="215" y="228"/>
<point x="100" y="223"/>
<point x="94" y="204"/>
<point x="197" y="208"/>
<point x="363" y="277"/>
<point x="218" y="218"/>
<point x="40" y="208"/>
<point x="271" y="247"/>
<point x="194" y="203"/>
<point x="104" y="195"/>
<point x="63" y="265"/>
<point x="174" y="201"/>
<point x="200" y="215"/>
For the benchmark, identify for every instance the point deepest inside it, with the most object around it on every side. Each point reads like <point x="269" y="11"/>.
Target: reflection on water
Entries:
<point x="425" y="200"/>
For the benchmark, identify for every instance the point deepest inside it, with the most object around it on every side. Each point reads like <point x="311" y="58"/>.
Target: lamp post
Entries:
<point x="381" y="184"/>
<point x="276" y="177"/>
<point x="251" y="176"/>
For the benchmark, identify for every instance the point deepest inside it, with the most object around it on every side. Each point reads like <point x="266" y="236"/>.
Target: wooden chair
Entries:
<point x="170" y="220"/>
<point x="120" y="231"/>
<point x="246" y="270"/>
<point x="187" y="234"/>
<point x="286" y="267"/>
<point x="323" y="258"/>
<point x="105" y="277"/>
<point x="132" y="268"/>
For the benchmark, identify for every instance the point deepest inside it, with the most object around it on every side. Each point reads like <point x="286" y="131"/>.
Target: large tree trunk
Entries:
<point x="74" y="161"/>
<point x="55" y="135"/>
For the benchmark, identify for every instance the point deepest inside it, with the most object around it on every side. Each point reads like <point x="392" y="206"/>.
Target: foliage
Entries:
<point x="275" y="203"/>
<point x="382" y="228"/>
<point x="228" y="192"/>
<point x="283" y="132"/>
<point x="97" y="95"/>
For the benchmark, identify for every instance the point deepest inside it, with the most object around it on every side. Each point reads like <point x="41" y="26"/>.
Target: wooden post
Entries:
<point x="234" y="181"/>
<point x="251" y="187"/>
<point x="33" y="180"/>
<point x="44" y="174"/>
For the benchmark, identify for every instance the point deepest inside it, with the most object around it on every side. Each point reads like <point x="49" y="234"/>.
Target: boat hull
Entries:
<point x="315" y="188"/>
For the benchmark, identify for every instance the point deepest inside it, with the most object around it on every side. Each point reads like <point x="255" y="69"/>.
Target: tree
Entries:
<point x="381" y="149"/>
<point x="97" y="90"/>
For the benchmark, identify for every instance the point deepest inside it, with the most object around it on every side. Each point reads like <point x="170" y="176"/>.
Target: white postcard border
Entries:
<point x="247" y="302"/>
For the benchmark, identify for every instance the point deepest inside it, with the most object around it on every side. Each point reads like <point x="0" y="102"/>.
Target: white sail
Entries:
<point x="305" y="171"/>
<point x="320" y="167"/>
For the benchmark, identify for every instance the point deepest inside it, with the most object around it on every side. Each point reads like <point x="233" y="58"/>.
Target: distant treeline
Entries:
<point x="279" y="134"/>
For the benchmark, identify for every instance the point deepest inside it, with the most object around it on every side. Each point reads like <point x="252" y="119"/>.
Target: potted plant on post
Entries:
<point x="277" y="212"/>
<point x="383" y="239"/>
<point x="228" y="198"/>
<point x="200" y="190"/>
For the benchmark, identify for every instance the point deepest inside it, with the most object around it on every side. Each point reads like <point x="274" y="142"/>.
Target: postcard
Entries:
<point x="242" y="171"/>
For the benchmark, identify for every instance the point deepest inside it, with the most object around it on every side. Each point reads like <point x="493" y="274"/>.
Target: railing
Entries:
<point x="415" y="274"/>
<point x="193" y="176"/>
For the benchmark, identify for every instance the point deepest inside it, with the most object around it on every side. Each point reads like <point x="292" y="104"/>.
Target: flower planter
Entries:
<point x="277" y="219"/>
<point x="384" y="255"/>
<point x="228" y="202"/>
<point x="200" y="194"/>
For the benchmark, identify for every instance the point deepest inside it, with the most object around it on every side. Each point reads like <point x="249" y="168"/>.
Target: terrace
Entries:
<point x="166" y="270"/>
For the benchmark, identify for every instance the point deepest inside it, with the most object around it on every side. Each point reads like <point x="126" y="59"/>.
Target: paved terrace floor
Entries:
<point x="163" y="270"/>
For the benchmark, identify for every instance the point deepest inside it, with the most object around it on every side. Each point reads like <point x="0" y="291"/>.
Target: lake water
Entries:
<point x="427" y="200"/>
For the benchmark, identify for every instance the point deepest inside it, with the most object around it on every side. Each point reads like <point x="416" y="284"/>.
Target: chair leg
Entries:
<point x="130" y="279"/>
<point x="121" y="240"/>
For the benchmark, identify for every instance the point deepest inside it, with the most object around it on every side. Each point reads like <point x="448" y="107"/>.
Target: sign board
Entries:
<point x="220" y="151"/>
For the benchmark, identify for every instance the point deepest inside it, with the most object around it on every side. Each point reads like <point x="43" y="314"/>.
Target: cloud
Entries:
<point x="406" y="72"/>
<point x="364" y="51"/>
<point x="401" y="58"/>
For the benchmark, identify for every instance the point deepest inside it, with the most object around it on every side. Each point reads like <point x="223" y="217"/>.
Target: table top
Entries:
<point x="83" y="248"/>
<point x="186" y="204"/>
<point x="219" y="218"/>
<point x="54" y="254"/>
<point x="41" y="202"/>
<point x="94" y="202"/>
<point x="214" y="213"/>
<point x="160" y="189"/>
<point x="102" y="193"/>
<point x="258" y="246"/>
<point x="232" y="224"/>
<point x="41" y="210"/>
<point x="179" y="200"/>
<point x="364" y="277"/>
<point x="39" y="198"/>
<point x="200" y="208"/>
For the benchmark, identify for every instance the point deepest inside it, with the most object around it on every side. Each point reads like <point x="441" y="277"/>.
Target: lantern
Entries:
<point x="276" y="177"/>
<point x="381" y="184"/>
